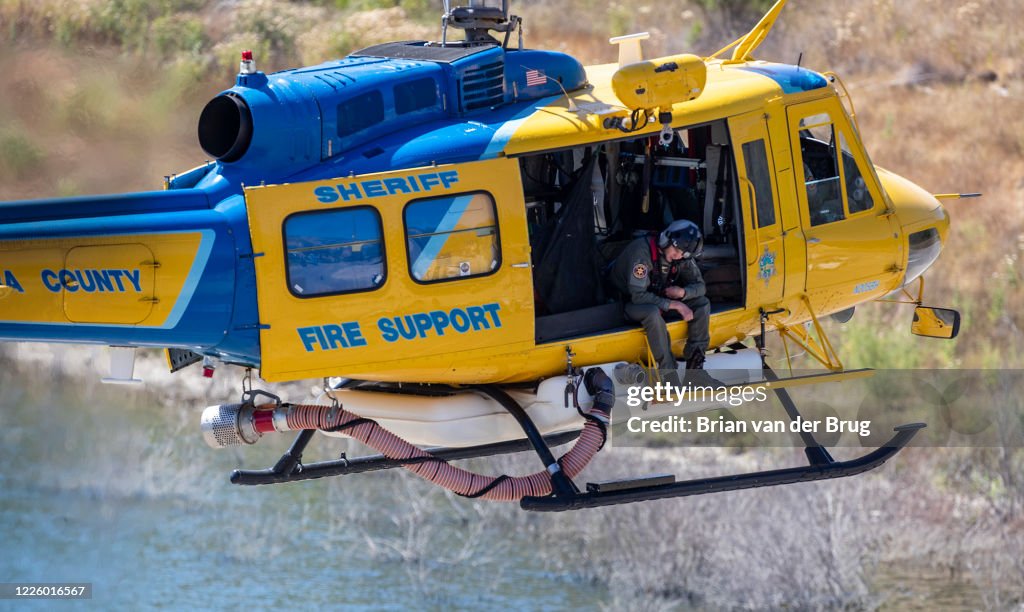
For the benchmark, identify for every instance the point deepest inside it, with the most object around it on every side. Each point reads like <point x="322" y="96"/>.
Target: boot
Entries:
<point x="696" y="361"/>
<point x="696" y="375"/>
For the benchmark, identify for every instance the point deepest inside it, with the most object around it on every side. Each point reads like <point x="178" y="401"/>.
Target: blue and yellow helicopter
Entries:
<point x="427" y="223"/>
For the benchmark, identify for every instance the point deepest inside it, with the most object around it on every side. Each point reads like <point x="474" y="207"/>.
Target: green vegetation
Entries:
<point x="204" y="33"/>
<point x="19" y="156"/>
<point x="175" y="34"/>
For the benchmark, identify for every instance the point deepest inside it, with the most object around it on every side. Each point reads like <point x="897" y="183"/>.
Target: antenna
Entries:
<point x="630" y="47"/>
<point x="572" y="105"/>
<point x="799" y="59"/>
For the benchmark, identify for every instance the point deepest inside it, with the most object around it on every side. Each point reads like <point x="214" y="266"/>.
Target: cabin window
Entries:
<point x="756" y="159"/>
<point x="415" y="95"/>
<point x="452" y="237"/>
<point x="359" y="113"/>
<point x="334" y="251"/>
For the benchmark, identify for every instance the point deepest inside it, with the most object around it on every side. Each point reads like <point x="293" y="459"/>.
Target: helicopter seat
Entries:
<point x="583" y="322"/>
<point x="720" y="252"/>
<point x="723" y="281"/>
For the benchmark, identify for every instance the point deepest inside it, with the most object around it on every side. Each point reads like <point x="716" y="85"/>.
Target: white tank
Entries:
<point x="470" y="418"/>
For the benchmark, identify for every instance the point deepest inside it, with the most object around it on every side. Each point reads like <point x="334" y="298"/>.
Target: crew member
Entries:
<point x="659" y="274"/>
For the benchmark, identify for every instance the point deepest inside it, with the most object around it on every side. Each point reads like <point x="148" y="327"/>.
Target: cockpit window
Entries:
<point x="834" y="191"/>
<point x="821" y="171"/>
<point x="817" y="126"/>
<point x="858" y="198"/>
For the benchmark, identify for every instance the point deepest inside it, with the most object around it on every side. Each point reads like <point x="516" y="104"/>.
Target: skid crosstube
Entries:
<point x="834" y="469"/>
<point x="290" y="468"/>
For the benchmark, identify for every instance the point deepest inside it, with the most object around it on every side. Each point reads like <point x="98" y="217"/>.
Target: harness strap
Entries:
<point x="657" y="278"/>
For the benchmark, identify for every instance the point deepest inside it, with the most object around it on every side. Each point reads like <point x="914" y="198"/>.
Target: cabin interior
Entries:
<point x="584" y="205"/>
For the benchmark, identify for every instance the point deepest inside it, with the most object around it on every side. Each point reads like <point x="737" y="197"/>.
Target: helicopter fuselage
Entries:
<point x="434" y="257"/>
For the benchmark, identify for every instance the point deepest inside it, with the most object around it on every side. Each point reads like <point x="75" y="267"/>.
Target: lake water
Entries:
<point x="107" y="487"/>
<point x="104" y="485"/>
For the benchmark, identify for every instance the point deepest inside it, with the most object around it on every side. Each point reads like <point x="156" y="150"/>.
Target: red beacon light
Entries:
<point x="247" y="66"/>
<point x="209" y="365"/>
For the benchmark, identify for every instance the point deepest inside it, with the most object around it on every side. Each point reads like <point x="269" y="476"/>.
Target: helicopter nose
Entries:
<point x="923" y="219"/>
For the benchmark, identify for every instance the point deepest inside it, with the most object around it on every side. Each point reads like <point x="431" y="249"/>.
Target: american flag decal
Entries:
<point x="535" y="77"/>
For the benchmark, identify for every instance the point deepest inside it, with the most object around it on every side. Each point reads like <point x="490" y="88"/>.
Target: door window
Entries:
<point x="755" y="157"/>
<point x="821" y="172"/>
<point x="834" y="191"/>
<point x="452" y="237"/>
<point x="334" y="251"/>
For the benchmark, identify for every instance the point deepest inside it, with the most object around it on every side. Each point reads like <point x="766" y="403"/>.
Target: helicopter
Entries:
<point x="423" y="224"/>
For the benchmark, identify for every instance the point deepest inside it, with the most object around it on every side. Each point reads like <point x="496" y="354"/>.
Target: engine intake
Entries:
<point x="225" y="127"/>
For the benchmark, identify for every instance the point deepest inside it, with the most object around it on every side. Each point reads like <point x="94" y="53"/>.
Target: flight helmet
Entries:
<point x="685" y="236"/>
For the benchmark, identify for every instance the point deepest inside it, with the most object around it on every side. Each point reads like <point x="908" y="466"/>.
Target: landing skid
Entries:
<point x="597" y="494"/>
<point x="821" y="466"/>
<point x="566" y="495"/>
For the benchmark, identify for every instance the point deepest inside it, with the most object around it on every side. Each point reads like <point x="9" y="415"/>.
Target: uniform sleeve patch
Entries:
<point x="640" y="271"/>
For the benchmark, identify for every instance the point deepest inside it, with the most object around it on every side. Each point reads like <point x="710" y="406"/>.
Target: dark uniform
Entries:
<point x="642" y="280"/>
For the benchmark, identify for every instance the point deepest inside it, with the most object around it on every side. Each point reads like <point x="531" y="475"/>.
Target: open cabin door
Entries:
<point x="760" y="204"/>
<point x="407" y="275"/>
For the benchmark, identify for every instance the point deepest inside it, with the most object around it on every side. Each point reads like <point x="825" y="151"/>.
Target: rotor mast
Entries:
<point x="479" y="18"/>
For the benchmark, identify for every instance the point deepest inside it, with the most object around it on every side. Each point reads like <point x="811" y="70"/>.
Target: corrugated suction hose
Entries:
<point x="463" y="482"/>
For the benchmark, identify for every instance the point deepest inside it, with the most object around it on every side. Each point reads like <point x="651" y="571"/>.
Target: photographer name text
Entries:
<point x="704" y="424"/>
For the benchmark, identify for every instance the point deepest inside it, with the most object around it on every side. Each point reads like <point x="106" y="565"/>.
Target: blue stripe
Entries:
<point x="442" y="231"/>
<point x="192" y="281"/>
<point x="504" y="133"/>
